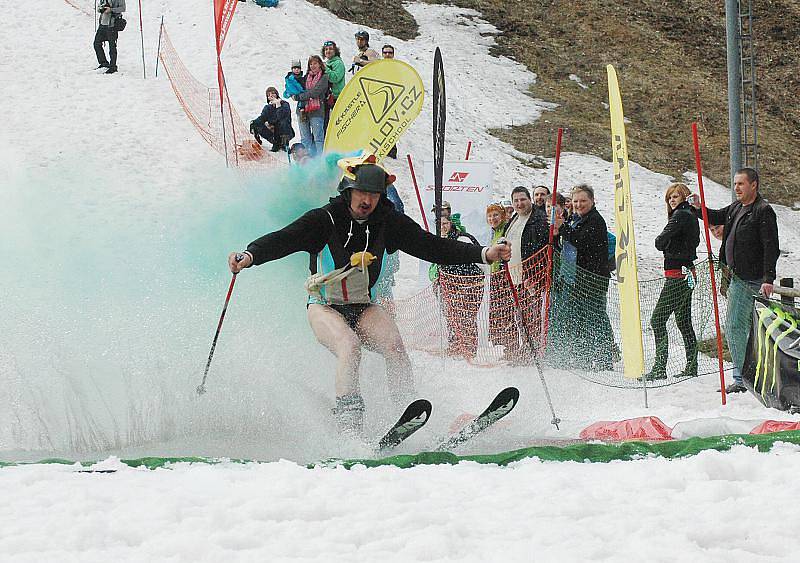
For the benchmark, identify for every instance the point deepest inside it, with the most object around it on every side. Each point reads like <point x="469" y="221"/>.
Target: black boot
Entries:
<point x="659" y="371"/>
<point x="690" y="370"/>
<point x="275" y="147"/>
<point x="111" y="70"/>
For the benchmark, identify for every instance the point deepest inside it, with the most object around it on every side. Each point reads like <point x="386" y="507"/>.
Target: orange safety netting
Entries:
<point x="82" y="6"/>
<point x="202" y="107"/>
<point x="476" y="317"/>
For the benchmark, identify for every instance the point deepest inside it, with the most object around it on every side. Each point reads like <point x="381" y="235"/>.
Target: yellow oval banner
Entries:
<point x="375" y="108"/>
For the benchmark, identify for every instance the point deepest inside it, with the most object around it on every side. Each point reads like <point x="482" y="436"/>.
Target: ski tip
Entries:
<point x="420" y="405"/>
<point x="509" y="393"/>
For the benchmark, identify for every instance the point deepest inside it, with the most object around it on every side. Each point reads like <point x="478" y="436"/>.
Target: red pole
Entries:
<point x="416" y="189"/>
<point x="710" y="260"/>
<point x="202" y="387"/>
<point x="550" y="265"/>
<point x="469" y="148"/>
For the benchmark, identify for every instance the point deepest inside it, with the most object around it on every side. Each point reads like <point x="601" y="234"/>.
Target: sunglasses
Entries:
<point x="329" y="44"/>
<point x="388" y="52"/>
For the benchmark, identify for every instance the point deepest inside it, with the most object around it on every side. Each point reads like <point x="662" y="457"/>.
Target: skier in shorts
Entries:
<point x="347" y="240"/>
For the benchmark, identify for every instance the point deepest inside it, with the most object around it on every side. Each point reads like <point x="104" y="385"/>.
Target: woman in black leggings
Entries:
<point x="678" y="241"/>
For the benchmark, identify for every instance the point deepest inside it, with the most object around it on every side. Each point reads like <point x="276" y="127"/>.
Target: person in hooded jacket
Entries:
<point x="275" y="122"/>
<point x="678" y="241"/>
<point x="294" y="83"/>
<point x="346" y="240"/>
<point x="336" y="75"/>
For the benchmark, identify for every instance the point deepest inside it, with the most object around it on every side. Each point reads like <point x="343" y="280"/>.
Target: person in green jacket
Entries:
<point x="336" y="72"/>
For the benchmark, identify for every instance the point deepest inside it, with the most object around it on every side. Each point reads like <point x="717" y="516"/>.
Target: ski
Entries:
<point x="414" y="418"/>
<point x="503" y="403"/>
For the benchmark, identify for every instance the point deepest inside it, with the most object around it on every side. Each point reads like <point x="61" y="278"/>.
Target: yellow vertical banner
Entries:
<point x="376" y="106"/>
<point x="627" y="271"/>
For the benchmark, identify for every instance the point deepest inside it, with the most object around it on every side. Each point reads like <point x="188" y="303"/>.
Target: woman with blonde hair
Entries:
<point x="678" y="241"/>
<point x="502" y="331"/>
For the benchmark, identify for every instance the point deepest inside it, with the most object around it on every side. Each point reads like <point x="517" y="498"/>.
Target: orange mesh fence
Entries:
<point x="223" y="129"/>
<point x="474" y="317"/>
<point x="85" y="6"/>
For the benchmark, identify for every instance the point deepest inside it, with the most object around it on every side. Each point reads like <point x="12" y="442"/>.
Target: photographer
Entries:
<point x="109" y="11"/>
<point x="365" y="54"/>
<point x="275" y="122"/>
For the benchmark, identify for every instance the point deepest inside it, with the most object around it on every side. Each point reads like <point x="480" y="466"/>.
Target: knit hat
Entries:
<point x="445" y="205"/>
<point x="296" y="63"/>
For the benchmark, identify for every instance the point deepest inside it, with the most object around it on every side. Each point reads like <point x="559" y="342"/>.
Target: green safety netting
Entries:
<point x="581" y="452"/>
<point x="476" y="318"/>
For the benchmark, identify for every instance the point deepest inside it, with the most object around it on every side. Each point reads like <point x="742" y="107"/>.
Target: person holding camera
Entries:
<point x="275" y="122"/>
<point x="107" y="29"/>
<point x="365" y="55"/>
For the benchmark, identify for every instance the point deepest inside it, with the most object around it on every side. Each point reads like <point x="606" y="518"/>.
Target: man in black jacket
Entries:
<point x="347" y="240"/>
<point x="749" y="252"/>
<point x="109" y="11"/>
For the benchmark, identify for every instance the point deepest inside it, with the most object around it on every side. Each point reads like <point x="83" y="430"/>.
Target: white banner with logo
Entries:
<point x="467" y="187"/>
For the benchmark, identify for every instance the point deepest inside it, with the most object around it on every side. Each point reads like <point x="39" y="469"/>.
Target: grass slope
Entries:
<point x="670" y="58"/>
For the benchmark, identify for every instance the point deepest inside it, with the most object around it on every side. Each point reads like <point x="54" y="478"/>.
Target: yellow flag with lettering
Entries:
<point x="376" y="106"/>
<point x="627" y="272"/>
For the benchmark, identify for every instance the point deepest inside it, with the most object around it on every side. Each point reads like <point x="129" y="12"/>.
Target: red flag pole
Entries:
<point x="416" y="189"/>
<point x="550" y="265"/>
<point x="710" y="260"/>
<point x="469" y="149"/>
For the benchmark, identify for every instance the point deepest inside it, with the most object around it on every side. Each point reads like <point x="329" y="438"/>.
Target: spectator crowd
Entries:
<point x="582" y="270"/>
<point x="314" y="92"/>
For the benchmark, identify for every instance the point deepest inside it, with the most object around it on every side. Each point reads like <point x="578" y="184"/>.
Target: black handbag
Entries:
<point x="120" y="23"/>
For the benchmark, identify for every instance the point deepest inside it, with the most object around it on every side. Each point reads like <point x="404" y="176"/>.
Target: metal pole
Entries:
<point x="734" y="88"/>
<point x="158" y="51"/>
<point x="141" y="34"/>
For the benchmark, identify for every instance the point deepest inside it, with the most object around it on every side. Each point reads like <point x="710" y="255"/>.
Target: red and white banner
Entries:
<point x="223" y="15"/>
<point x="467" y="187"/>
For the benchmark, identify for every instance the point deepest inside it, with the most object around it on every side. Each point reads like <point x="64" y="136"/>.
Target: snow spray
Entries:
<point x="111" y="289"/>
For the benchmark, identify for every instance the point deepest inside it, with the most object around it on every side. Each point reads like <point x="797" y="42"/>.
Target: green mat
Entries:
<point x="580" y="452"/>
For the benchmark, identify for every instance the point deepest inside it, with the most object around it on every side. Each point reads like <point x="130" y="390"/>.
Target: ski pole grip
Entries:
<point x="504" y="242"/>
<point x="239" y="257"/>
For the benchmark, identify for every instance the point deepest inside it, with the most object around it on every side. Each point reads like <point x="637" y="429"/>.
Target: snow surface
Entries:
<point x="115" y="224"/>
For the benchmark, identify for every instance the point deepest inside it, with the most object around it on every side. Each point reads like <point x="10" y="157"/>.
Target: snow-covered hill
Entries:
<point x="115" y="221"/>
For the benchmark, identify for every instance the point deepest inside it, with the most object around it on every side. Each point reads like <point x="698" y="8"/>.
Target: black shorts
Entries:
<point x="352" y="312"/>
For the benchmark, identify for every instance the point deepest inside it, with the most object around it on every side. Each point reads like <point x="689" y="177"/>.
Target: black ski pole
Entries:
<point x="524" y="326"/>
<point x="202" y="387"/>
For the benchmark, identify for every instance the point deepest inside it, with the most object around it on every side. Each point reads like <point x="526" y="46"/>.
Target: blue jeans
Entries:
<point x="312" y="134"/>
<point x="740" y="295"/>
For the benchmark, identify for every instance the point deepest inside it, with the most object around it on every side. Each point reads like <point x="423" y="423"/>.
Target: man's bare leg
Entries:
<point x="379" y="332"/>
<point x="333" y="332"/>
